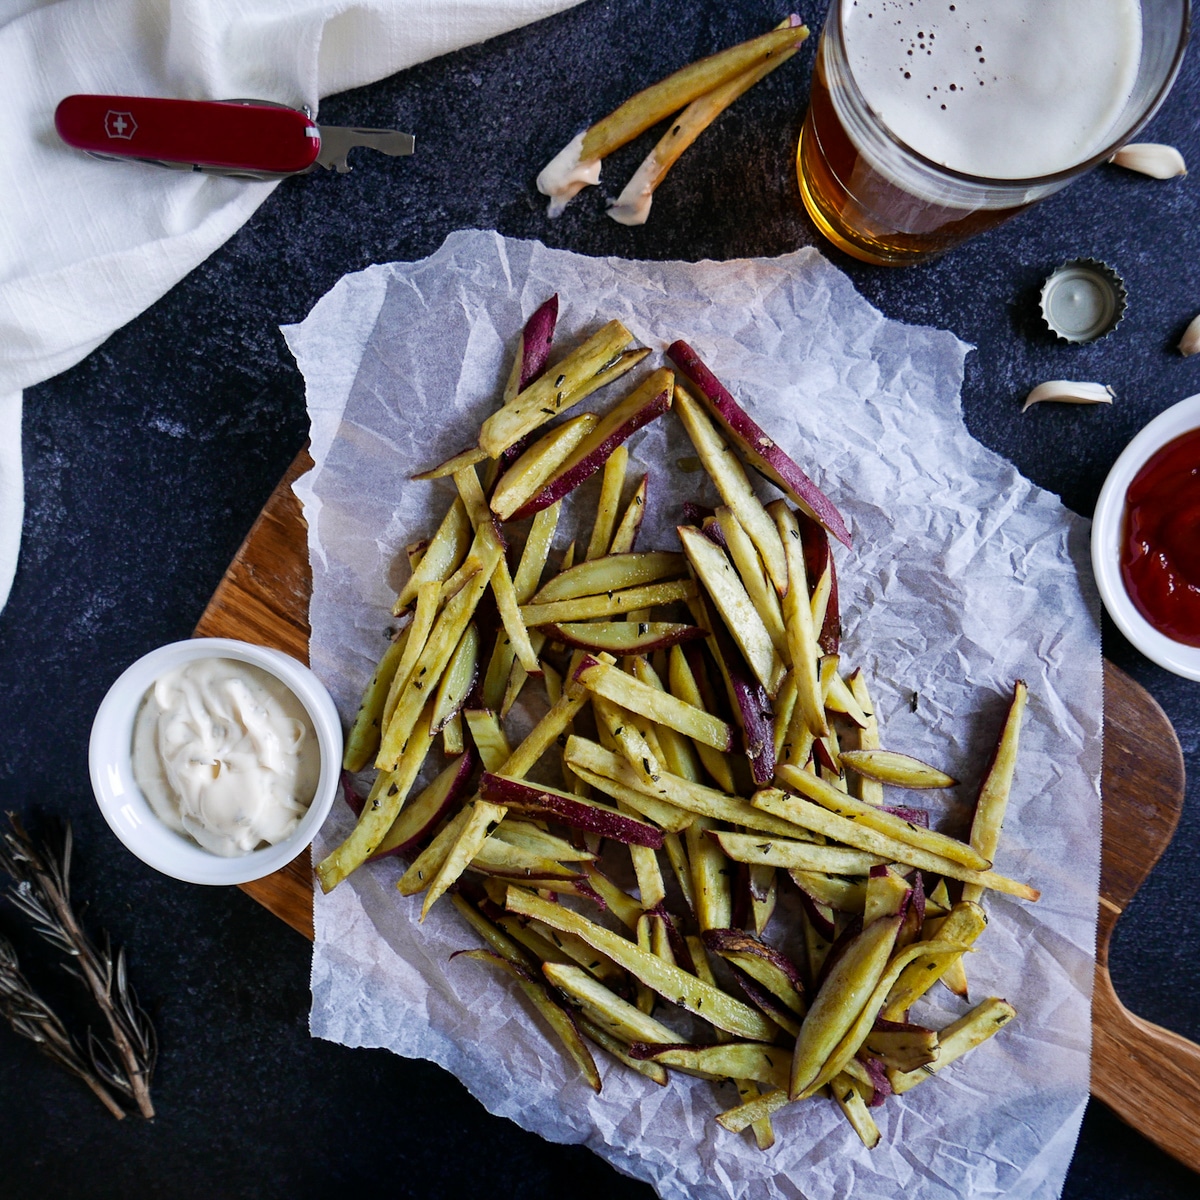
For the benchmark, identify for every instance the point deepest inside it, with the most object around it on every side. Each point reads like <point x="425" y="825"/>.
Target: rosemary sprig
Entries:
<point x="41" y="889"/>
<point x="33" y="1018"/>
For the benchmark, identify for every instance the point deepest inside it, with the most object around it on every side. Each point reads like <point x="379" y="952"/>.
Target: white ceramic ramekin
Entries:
<point x="1108" y="527"/>
<point x="129" y="813"/>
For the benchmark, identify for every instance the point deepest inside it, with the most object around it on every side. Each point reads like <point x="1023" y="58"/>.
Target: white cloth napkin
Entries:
<point x="86" y="245"/>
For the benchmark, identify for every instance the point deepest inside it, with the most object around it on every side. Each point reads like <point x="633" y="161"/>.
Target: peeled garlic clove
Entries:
<point x="1190" y="342"/>
<point x="1150" y="158"/>
<point x="1067" y="391"/>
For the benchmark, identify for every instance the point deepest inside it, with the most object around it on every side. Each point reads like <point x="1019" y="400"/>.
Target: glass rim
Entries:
<point x="1016" y="184"/>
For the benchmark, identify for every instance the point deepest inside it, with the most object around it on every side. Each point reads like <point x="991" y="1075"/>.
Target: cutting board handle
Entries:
<point x="1148" y="1076"/>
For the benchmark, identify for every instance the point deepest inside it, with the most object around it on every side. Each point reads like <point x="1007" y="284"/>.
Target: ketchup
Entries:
<point x="1160" y="554"/>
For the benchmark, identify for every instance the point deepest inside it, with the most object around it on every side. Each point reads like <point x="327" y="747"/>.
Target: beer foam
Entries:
<point x="1010" y="90"/>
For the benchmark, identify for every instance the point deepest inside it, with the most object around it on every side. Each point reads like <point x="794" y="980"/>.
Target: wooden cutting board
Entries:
<point x="1149" y="1076"/>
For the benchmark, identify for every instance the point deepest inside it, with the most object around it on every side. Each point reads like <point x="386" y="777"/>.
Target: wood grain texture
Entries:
<point x="263" y="598"/>
<point x="1149" y="1076"/>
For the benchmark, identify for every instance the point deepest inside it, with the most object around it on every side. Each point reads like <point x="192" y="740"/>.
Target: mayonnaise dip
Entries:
<point x="225" y="754"/>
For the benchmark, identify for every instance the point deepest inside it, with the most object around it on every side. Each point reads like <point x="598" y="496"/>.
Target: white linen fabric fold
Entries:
<point x="86" y="245"/>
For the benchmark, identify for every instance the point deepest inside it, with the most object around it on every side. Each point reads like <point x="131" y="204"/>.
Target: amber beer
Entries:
<point x="931" y="122"/>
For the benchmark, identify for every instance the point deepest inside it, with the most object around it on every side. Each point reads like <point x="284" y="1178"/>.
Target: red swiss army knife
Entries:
<point x="251" y="138"/>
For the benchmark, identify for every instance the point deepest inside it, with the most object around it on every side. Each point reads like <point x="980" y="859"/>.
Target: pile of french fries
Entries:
<point x="708" y="749"/>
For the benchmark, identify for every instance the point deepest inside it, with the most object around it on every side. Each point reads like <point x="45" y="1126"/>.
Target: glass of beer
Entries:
<point x="931" y="121"/>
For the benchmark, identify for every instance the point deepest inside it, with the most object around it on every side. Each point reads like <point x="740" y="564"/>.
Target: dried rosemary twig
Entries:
<point x="33" y="1018"/>
<point x="41" y="889"/>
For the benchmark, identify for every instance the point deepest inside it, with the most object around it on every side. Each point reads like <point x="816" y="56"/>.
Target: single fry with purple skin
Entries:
<point x="418" y="819"/>
<point x="761" y="450"/>
<point x="533" y="349"/>
<point x="538" y="464"/>
<point x="648" y="401"/>
<point x="574" y="810"/>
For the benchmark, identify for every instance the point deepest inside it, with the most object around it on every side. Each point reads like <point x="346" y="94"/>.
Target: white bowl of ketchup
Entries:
<point x="1146" y="540"/>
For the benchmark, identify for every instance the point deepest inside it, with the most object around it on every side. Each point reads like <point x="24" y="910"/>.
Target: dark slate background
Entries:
<point x="146" y="464"/>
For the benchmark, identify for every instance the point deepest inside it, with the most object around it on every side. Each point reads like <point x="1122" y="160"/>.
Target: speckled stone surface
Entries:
<point x="146" y="464"/>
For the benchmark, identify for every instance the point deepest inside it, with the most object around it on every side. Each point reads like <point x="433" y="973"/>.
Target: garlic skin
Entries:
<point x="1190" y="342"/>
<point x="1067" y="391"/>
<point x="1151" y="158"/>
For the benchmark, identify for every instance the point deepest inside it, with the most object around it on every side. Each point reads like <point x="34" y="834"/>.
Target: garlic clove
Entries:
<point x="1150" y="158"/>
<point x="1190" y="342"/>
<point x="1067" y="391"/>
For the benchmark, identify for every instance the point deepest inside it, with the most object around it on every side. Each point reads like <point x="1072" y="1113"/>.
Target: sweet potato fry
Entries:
<point x="585" y="608"/>
<point x="557" y="1017"/>
<point x="880" y="819"/>
<point x="672" y="983"/>
<point x="380" y="810"/>
<point x="538" y="463"/>
<point x="727" y="472"/>
<point x="578" y="163"/>
<point x="993" y="794"/>
<point x="733" y="602"/>
<point x="632" y="206"/>
<point x="659" y="706"/>
<point x="900" y="770"/>
<point x="446" y="551"/>
<point x="611" y="573"/>
<point x="363" y="739"/>
<point x="593" y="364"/>
<point x="820" y="820"/>
<point x="956" y="1039"/>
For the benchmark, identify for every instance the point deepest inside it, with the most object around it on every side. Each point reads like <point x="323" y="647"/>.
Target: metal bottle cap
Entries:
<point x="1083" y="300"/>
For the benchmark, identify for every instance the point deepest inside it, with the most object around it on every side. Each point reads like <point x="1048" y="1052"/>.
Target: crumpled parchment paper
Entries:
<point x="963" y="578"/>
